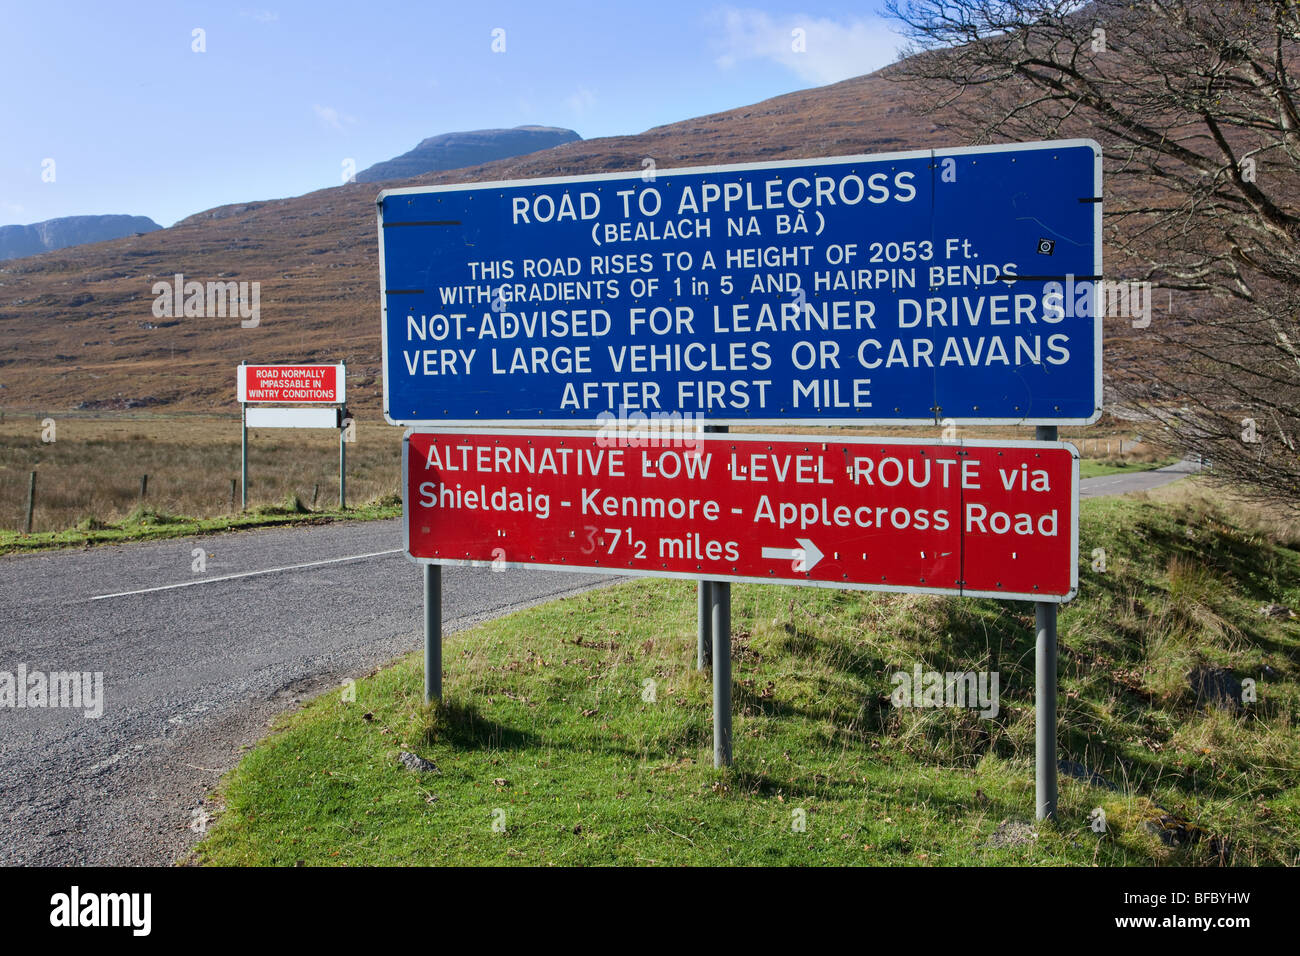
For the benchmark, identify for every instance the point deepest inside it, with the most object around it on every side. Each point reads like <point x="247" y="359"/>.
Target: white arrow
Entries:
<point x="805" y="557"/>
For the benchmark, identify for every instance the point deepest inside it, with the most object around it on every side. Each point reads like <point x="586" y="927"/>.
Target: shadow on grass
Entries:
<point x="464" y="727"/>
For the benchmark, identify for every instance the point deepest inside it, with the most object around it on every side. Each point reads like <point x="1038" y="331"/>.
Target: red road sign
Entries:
<point x="318" y="384"/>
<point x="985" y="519"/>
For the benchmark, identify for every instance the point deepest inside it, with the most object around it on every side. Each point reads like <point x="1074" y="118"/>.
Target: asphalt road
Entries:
<point x="1136" y="481"/>
<point x="191" y="673"/>
<point x="195" y="663"/>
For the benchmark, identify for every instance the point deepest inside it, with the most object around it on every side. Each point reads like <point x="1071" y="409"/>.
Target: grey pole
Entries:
<point x="243" y="457"/>
<point x="721" y="673"/>
<point x="432" y="632"/>
<point x="715" y="650"/>
<point x="1045" y="693"/>
<point x="704" y="648"/>
<point x="705" y="598"/>
<point x="343" y="465"/>
<point x="343" y="454"/>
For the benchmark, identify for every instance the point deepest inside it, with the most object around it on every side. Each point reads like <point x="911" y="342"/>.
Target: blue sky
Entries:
<point x="135" y="121"/>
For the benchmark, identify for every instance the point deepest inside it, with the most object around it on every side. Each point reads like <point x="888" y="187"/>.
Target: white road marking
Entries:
<point x="248" y="574"/>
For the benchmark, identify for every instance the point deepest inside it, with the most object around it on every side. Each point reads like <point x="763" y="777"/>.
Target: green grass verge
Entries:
<point x="1096" y="468"/>
<point x="552" y="750"/>
<point x="146" y="524"/>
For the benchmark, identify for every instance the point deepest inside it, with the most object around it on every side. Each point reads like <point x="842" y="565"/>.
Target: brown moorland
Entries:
<point x="78" y="327"/>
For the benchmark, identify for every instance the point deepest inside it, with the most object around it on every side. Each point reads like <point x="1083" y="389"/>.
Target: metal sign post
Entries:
<point x="311" y="388"/>
<point x="343" y="463"/>
<point x="243" y="457"/>
<point x="704" y="642"/>
<point x="704" y="626"/>
<point x="721" y="593"/>
<point x="1045" y="692"/>
<point x="432" y="632"/>
<point x="718" y="614"/>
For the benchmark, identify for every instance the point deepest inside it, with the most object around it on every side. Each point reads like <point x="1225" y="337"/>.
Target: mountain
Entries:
<point x="470" y="148"/>
<point x="19" y="241"/>
<point x="76" y="326"/>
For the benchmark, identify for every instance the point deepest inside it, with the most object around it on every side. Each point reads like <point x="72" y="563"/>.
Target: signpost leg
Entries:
<point x="343" y="467"/>
<point x="721" y="595"/>
<point x="1045" y="693"/>
<point x="705" y="631"/>
<point x="432" y="633"/>
<point x="704" y="648"/>
<point x="243" y="457"/>
<point x="343" y="431"/>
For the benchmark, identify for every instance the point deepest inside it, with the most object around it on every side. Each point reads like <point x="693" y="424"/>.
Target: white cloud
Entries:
<point x="581" y="101"/>
<point x="831" y="51"/>
<point x="332" y="117"/>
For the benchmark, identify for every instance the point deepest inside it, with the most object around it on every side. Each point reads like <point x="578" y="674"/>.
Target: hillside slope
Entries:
<point x="77" y="326"/>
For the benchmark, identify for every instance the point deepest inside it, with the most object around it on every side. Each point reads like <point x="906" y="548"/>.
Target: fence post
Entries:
<point x="144" y="486"/>
<point x="31" y="501"/>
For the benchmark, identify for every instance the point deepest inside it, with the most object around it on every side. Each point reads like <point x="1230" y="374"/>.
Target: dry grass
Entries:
<point x="1280" y="525"/>
<point x="91" y="471"/>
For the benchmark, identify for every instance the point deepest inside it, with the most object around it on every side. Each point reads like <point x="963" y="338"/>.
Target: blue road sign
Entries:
<point x="903" y="288"/>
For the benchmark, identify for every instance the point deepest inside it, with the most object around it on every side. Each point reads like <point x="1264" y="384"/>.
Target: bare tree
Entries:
<point x="1197" y="110"/>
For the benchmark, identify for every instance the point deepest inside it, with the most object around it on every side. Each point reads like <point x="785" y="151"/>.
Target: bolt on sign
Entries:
<point x="315" y="384"/>
<point x="895" y="288"/>
<point x="976" y="518"/>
